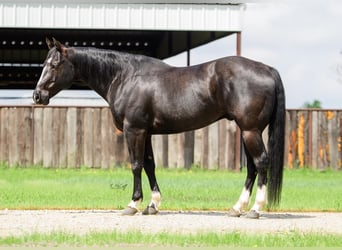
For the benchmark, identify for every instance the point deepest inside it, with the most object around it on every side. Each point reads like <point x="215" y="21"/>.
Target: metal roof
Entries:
<point x="134" y="1"/>
<point x="190" y="17"/>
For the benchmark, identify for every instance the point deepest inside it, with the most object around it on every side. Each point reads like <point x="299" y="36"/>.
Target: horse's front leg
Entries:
<point x="149" y="167"/>
<point x="136" y="146"/>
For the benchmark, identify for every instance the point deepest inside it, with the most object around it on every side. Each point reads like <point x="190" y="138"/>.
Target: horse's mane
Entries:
<point x="111" y="61"/>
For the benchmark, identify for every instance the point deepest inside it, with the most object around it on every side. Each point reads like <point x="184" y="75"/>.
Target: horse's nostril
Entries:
<point x="36" y="97"/>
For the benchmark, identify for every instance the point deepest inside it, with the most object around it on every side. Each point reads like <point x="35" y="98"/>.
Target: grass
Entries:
<point x="291" y="239"/>
<point x="41" y="188"/>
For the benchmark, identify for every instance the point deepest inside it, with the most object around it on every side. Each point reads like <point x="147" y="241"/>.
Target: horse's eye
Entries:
<point x="54" y="65"/>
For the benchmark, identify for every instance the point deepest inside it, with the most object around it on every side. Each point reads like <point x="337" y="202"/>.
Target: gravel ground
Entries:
<point x="19" y="222"/>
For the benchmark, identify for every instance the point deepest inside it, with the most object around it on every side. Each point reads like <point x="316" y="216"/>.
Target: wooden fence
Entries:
<point x="314" y="139"/>
<point x="85" y="136"/>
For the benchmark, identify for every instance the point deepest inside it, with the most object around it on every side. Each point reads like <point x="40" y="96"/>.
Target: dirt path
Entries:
<point x="19" y="222"/>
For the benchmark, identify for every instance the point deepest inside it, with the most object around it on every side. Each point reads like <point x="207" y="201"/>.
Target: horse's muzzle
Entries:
<point x="41" y="97"/>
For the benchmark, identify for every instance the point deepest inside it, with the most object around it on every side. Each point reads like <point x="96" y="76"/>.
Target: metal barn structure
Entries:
<point x="152" y="27"/>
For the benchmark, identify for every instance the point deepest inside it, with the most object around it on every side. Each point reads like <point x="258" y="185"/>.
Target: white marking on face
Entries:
<point x="260" y="198"/>
<point x="243" y="201"/>
<point x="44" y="72"/>
<point x="42" y="75"/>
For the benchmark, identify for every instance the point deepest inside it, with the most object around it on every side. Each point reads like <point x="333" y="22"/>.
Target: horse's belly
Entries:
<point x="178" y="124"/>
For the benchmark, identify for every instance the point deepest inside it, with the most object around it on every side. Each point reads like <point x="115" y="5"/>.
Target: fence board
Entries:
<point x="332" y="138"/>
<point x="97" y="142"/>
<point x="180" y="149"/>
<point x="79" y="137"/>
<point x="21" y="137"/>
<point x="113" y="135"/>
<point x="62" y="145"/>
<point x="322" y="141"/>
<point x="189" y="140"/>
<point x="314" y="144"/>
<point x="213" y="155"/>
<point x="165" y="149"/>
<point x="47" y="137"/>
<point x="88" y="137"/>
<point x="4" y="134"/>
<point x="222" y="144"/>
<point x="85" y="136"/>
<point x="13" y="152"/>
<point x="301" y="139"/>
<point x="120" y="148"/>
<point x="231" y="132"/>
<point x="71" y="135"/>
<point x="173" y="151"/>
<point x="157" y="145"/>
<point x="25" y="136"/>
<point x="198" y="147"/>
<point x="205" y="148"/>
<point x="292" y="150"/>
<point x="105" y="138"/>
<point x="37" y="136"/>
<point x="56" y="144"/>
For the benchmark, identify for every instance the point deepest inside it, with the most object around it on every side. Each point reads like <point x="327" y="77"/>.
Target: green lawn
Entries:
<point x="139" y="239"/>
<point x="41" y="188"/>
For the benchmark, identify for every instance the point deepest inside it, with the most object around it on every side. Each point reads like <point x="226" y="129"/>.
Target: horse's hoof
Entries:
<point x="129" y="211"/>
<point x="253" y="215"/>
<point x="233" y="213"/>
<point x="150" y="210"/>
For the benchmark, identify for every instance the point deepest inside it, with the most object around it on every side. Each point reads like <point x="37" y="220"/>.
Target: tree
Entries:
<point x="316" y="104"/>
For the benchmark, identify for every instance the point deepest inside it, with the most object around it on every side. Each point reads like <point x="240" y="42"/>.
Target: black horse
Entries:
<point x="147" y="97"/>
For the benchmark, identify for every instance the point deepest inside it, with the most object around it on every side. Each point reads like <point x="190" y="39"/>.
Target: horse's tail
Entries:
<point x="276" y="133"/>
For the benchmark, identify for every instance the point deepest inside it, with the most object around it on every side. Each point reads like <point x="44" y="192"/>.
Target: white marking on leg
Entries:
<point x="134" y="204"/>
<point x="260" y="198"/>
<point x="243" y="201"/>
<point x="156" y="200"/>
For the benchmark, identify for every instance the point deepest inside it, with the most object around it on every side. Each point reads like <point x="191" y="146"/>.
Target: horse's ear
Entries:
<point x="57" y="44"/>
<point x="49" y="43"/>
<point x="60" y="47"/>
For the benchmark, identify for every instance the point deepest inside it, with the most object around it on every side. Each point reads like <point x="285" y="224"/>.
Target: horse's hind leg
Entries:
<point x="149" y="167"/>
<point x="244" y="198"/>
<point x="256" y="149"/>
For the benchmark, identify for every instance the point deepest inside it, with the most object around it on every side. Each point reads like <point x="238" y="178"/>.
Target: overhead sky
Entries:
<point x="302" y="39"/>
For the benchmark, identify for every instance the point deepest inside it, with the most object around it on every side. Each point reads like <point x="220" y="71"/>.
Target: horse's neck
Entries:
<point x="97" y="69"/>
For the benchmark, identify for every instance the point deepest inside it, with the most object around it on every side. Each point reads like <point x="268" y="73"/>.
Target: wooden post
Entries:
<point x="238" y="132"/>
<point x="238" y="43"/>
<point x="189" y="137"/>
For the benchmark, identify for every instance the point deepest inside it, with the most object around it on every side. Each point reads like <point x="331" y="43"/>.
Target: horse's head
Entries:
<point x="58" y="73"/>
